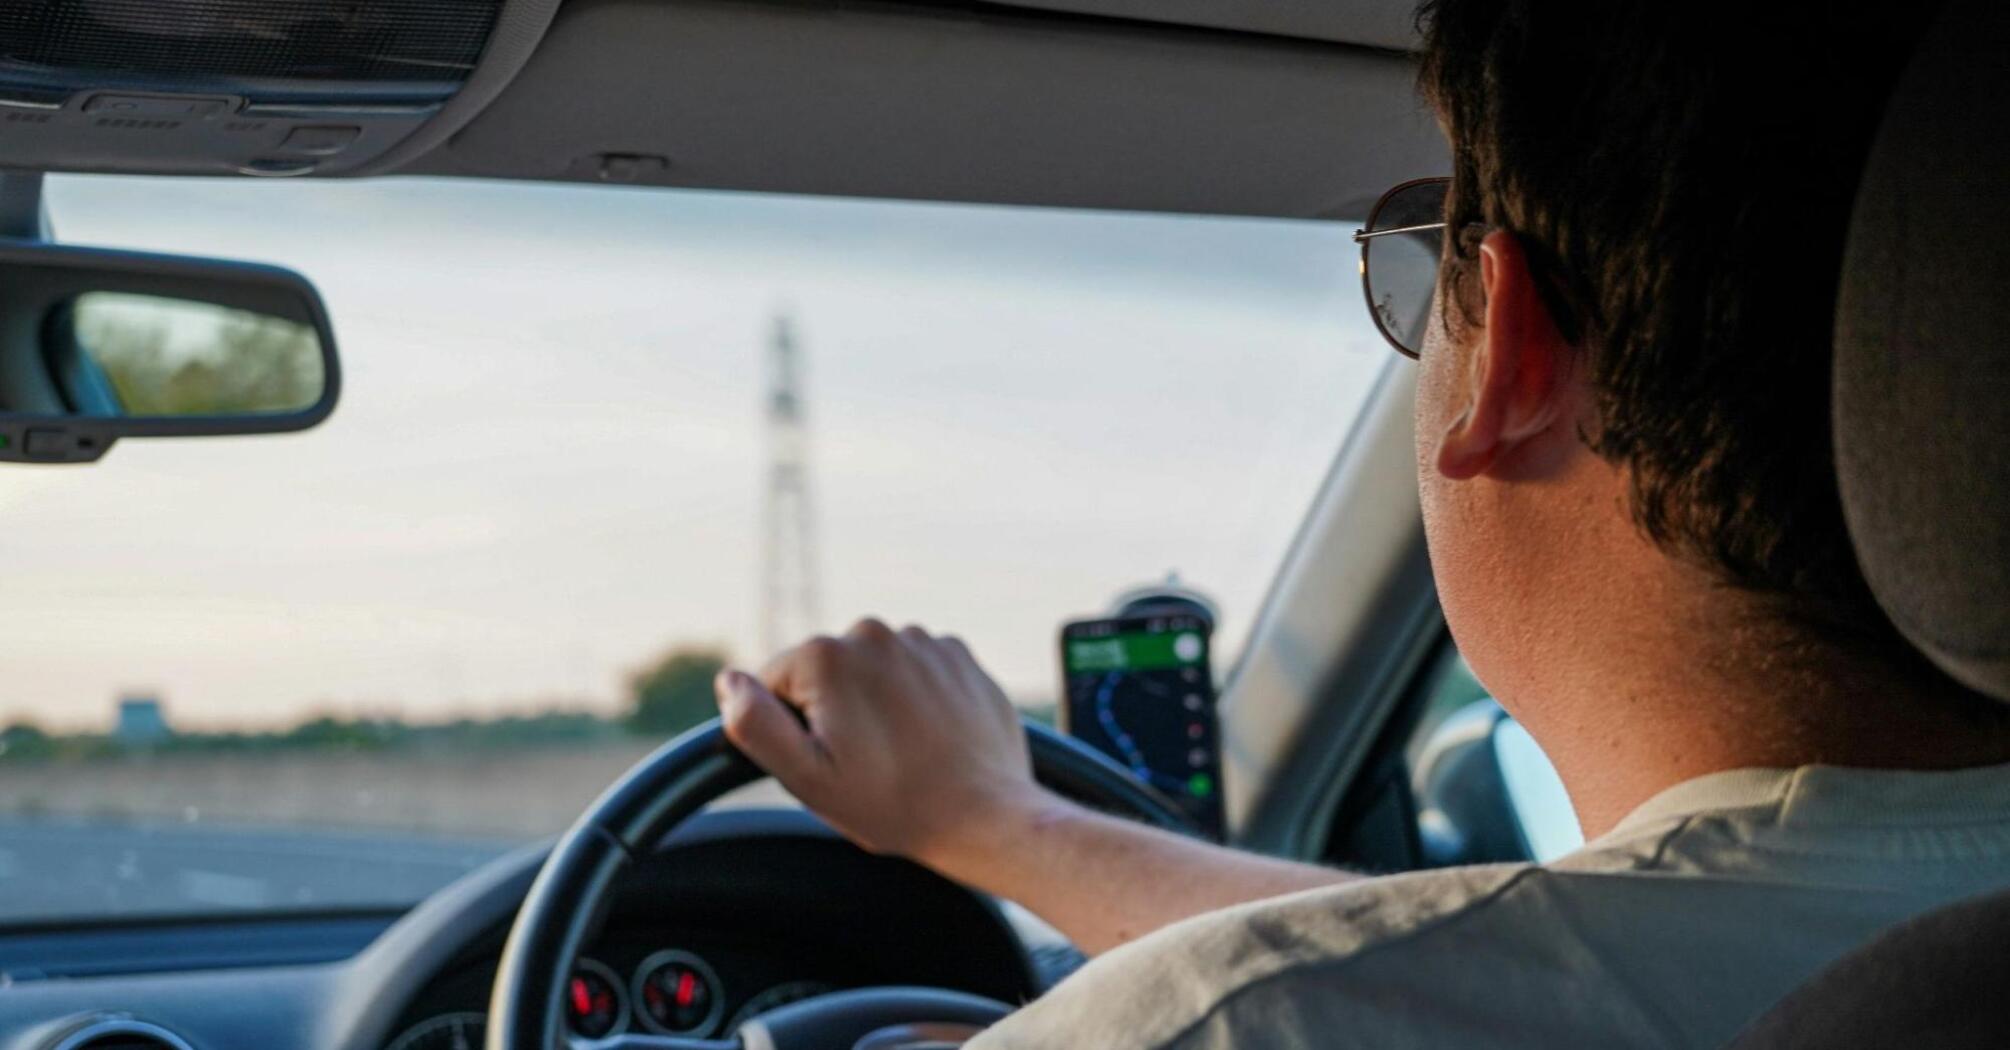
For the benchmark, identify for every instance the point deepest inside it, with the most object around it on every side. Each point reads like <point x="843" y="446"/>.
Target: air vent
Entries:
<point x="120" y="1033"/>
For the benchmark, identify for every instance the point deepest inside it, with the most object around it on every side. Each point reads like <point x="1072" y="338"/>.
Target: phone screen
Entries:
<point x="1140" y="691"/>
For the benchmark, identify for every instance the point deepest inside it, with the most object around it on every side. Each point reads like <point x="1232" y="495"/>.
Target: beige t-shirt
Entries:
<point x="1700" y="910"/>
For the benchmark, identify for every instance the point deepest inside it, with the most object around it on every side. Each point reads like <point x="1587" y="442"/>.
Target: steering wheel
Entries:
<point x="628" y="820"/>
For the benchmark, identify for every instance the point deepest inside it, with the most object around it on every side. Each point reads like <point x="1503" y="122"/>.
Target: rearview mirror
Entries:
<point x="101" y="345"/>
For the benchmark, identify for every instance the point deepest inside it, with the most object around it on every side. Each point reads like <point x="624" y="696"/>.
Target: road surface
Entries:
<point x="70" y="869"/>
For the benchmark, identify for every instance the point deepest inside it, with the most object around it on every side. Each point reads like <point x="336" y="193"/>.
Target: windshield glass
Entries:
<point x="571" y="471"/>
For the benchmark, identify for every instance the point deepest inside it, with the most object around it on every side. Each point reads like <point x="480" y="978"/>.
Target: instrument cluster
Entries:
<point x="670" y="992"/>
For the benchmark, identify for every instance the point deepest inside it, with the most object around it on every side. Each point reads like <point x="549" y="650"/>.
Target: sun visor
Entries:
<point x="919" y="102"/>
<point x="1369" y="23"/>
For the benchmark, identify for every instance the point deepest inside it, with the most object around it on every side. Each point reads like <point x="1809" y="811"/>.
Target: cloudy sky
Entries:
<point x="547" y="462"/>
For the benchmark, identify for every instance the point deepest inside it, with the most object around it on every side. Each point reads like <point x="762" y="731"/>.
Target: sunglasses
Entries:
<point x="1401" y="248"/>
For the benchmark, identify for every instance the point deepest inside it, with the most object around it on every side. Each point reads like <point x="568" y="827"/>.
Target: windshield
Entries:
<point x="592" y="442"/>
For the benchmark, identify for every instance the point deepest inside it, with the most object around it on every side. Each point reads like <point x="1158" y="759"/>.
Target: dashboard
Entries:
<point x="713" y="932"/>
<point x="739" y="912"/>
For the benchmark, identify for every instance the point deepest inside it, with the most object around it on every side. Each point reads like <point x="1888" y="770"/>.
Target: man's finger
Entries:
<point x="793" y="674"/>
<point x="871" y="630"/>
<point x="921" y="645"/>
<point x="763" y="726"/>
<point x="957" y="651"/>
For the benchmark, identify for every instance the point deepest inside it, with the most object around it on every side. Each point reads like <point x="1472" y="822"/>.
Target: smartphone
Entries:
<point x="1140" y="690"/>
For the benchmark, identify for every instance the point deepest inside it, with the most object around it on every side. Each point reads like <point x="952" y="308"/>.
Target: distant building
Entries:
<point x="141" y="722"/>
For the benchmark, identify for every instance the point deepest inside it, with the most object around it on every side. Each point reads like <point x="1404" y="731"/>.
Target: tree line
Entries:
<point x="666" y="696"/>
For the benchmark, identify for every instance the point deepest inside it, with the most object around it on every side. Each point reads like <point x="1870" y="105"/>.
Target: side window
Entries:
<point x="1541" y="806"/>
<point x="1484" y="790"/>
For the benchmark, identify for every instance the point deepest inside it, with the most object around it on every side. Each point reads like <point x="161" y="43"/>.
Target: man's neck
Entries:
<point x="1676" y="678"/>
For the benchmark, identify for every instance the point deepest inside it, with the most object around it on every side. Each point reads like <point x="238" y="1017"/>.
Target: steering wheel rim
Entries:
<point x="628" y="820"/>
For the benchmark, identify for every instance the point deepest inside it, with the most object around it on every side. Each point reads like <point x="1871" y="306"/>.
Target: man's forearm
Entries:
<point x="1104" y="881"/>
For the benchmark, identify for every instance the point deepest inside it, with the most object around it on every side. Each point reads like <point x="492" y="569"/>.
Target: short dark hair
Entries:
<point x="1681" y="176"/>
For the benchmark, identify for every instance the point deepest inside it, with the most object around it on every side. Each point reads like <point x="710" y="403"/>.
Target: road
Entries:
<point x="66" y="869"/>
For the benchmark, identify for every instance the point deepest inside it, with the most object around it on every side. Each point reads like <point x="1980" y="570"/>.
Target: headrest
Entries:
<point x="1922" y="366"/>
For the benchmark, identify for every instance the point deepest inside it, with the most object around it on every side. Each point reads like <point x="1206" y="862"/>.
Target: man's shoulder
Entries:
<point x="1222" y="978"/>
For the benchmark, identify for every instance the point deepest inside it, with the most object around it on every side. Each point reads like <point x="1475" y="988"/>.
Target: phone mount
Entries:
<point x="1170" y="598"/>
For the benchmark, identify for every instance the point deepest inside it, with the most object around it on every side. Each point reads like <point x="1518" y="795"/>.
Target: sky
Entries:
<point x="547" y="463"/>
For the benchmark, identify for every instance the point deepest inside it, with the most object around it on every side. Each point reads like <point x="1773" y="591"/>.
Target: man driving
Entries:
<point x="1625" y="462"/>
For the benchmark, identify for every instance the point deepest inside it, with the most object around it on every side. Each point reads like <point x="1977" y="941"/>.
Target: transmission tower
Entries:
<point x="789" y="609"/>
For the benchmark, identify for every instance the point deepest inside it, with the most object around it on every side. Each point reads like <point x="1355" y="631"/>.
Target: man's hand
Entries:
<point x="903" y="743"/>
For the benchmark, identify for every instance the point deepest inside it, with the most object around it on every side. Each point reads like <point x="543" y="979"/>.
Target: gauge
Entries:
<point x="775" y="998"/>
<point x="446" y="1032"/>
<point x="677" y="994"/>
<point x="595" y="1004"/>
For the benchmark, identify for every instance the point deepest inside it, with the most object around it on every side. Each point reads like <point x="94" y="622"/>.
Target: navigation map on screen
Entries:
<point x="1140" y="691"/>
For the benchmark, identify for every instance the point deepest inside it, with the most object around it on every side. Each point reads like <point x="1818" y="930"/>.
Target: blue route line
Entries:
<point x="1106" y="716"/>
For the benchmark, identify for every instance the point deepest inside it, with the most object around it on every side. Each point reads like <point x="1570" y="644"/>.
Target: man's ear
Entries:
<point x="1514" y="388"/>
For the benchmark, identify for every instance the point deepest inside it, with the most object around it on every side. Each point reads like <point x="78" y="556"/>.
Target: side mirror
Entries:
<point x="99" y="345"/>
<point x="1486" y="793"/>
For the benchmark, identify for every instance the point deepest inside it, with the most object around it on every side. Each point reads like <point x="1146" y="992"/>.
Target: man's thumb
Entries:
<point x="760" y="724"/>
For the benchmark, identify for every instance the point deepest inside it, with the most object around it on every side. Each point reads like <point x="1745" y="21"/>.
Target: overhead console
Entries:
<point x="254" y="87"/>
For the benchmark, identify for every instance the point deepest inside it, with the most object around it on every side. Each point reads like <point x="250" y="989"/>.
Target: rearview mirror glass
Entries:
<point x="162" y="357"/>
<point x="98" y="346"/>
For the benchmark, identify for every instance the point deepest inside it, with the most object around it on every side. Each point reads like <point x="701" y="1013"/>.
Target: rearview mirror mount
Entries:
<point x="98" y="345"/>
